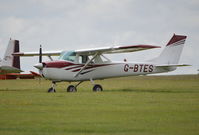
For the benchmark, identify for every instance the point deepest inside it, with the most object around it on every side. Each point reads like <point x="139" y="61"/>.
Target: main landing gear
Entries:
<point x="73" y="88"/>
<point x="97" y="88"/>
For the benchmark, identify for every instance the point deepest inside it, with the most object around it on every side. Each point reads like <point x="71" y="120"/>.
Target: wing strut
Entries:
<point x="88" y="62"/>
<point x="49" y="56"/>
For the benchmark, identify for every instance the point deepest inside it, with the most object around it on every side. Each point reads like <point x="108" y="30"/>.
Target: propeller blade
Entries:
<point x="40" y="54"/>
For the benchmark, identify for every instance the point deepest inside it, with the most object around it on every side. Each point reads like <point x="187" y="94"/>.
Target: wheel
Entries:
<point x="97" y="87"/>
<point x="71" y="88"/>
<point x="51" y="90"/>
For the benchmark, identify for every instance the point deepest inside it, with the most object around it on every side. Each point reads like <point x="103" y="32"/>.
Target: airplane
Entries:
<point x="91" y="64"/>
<point x="10" y="65"/>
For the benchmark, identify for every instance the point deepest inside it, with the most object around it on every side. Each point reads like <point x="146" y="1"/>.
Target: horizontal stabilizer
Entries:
<point x="172" y="65"/>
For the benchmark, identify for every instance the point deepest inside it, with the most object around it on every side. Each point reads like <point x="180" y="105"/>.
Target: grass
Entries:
<point x="142" y="105"/>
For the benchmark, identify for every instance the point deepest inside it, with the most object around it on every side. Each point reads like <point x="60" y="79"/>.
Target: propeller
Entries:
<point x="39" y="65"/>
<point x="40" y="54"/>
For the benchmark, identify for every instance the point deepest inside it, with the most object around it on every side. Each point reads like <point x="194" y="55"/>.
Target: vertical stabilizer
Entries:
<point x="9" y="59"/>
<point x="172" y="52"/>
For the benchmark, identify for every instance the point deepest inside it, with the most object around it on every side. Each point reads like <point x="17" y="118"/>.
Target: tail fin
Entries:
<point x="9" y="59"/>
<point x="171" y="53"/>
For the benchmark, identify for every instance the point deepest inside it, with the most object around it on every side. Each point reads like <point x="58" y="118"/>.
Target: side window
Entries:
<point x="80" y="59"/>
<point x="83" y="59"/>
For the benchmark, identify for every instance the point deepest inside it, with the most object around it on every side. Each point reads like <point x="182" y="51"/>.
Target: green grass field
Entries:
<point x="145" y="105"/>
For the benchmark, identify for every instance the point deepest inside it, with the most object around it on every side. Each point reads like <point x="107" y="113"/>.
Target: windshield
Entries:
<point x="69" y="56"/>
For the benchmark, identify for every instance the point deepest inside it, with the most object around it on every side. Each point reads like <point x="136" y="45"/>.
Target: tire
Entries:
<point x="97" y="88"/>
<point x="71" y="88"/>
<point x="51" y="90"/>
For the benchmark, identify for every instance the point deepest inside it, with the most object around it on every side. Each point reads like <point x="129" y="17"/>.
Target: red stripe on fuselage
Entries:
<point x="74" y="67"/>
<point x="62" y="64"/>
<point x="58" y="64"/>
<point x="93" y="66"/>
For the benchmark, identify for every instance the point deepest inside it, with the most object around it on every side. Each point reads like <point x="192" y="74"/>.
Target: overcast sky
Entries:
<point x="78" y="24"/>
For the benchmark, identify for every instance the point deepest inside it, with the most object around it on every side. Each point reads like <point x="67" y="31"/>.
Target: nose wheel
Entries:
<point x="52" y="89"/>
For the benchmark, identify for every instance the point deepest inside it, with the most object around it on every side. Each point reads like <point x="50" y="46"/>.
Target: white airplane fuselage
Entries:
<point x="66" y="71"/>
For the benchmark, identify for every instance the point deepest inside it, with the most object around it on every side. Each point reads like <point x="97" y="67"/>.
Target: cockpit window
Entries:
<point x="69" y="56"/>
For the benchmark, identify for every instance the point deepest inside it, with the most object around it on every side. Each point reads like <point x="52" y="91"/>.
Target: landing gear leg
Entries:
<point x="73" y="88"/>
<point x="96" y="87"/>
<point x="52" y="89"/>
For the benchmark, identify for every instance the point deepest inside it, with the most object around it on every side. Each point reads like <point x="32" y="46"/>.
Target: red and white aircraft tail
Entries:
<point x="11" y="63"/>
<point x="172" y="52"/>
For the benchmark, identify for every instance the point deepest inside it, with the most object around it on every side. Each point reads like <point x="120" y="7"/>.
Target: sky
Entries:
<point x="81" y="24"/>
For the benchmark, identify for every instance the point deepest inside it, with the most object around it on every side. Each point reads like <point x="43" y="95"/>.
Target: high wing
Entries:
<point x="47" y="53"/>
<point x="116" y="49"/>
<point x="102" y="50"/>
